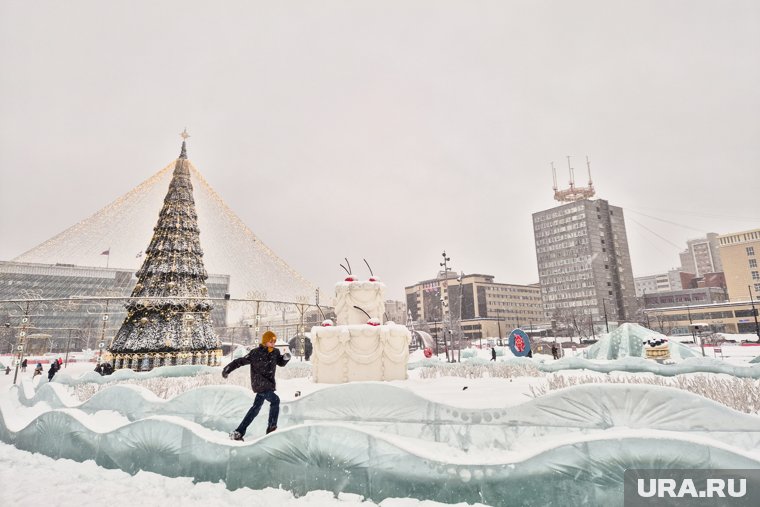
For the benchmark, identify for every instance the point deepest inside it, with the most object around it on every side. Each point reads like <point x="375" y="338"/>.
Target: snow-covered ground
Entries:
<point x="30" y="479"/>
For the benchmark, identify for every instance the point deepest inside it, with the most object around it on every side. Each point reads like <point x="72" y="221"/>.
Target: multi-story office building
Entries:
<point x="488" y="308"/>
<point x="662" y="282"/>
<point x="740" y="254"/>
<point x="58" y="307"/>
<point x="702" y="256"/>
<point x="584" y="265"/>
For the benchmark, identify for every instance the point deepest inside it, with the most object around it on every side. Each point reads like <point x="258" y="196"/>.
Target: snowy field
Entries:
<point x="469" y="452"/>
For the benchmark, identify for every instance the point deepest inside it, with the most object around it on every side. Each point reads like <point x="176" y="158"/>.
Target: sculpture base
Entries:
<point x="146" y="361"/>
<point x="360" y="352"/>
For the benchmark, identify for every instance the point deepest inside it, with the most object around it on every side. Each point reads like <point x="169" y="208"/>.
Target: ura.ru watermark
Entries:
<point x="696" y="487"/>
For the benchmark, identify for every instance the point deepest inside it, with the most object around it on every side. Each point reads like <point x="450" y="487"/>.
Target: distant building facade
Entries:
<point x="396" y="311"/>
<point x="740" y="254"/>
<point x="584" y="265"/>
<point x="702" y="255"/>
<point x="663" y="282"/>
<point x="488" y="308"/>
<point x="700" y="296"/>
<point x="68" y="284"/>
<point x="729" y="317"/>
<point x="675" y="280"/>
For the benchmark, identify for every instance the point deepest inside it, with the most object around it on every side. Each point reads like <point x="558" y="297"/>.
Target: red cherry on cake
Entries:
<point x="350" y="279"/>
<point x="372" y="279"/>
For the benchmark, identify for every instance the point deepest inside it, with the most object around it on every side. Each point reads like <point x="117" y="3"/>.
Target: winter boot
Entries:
<point x="271" y="429"/>
<point x="236" y="435"/>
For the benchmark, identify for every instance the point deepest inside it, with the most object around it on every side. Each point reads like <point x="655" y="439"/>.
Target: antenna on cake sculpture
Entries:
<point x="368" y="267"/>
<point x="350" y="277"/>
<point x="372" y="277"/>
<point x="362" y="310"/>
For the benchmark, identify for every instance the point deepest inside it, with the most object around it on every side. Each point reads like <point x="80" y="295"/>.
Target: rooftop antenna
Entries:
<point x="554" y="177"/>
<point x="573" y="193"/>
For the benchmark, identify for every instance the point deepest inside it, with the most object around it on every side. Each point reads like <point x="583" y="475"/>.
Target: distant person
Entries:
<point x="54" y="367"/>
<point x="7" y="370"/>
<point x="555" y="351"/>
<point x="23" y="366"/>
<point x="37" y="370"/>
<point x="107" y="369"/>
<point x="99" y="369"/>
<point x="264" y="360"/>
<point x="493" y="354"/>
<point x="308" y="349"/>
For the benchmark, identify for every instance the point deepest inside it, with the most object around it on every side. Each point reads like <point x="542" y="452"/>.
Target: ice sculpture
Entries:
<point x="580" y="440"/>
<point x="360" y="347"/>
<point x="639" y="364"/>
<point x="628" y="341"/>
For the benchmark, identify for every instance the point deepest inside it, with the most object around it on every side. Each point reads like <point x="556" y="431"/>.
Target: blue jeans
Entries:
<point x="274" y="410"/>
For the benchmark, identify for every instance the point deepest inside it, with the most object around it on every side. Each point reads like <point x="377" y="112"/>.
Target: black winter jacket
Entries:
<point x="263" y="364"/>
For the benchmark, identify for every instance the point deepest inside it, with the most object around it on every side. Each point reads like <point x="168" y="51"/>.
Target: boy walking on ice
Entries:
<point x="264" y="360"/>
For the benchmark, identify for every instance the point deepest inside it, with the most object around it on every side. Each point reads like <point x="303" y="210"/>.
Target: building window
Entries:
<point x="757" y="287"/>
<point x="750" y="250"/>
<point x="755" y="275"/>
<point x="753" y="263"/>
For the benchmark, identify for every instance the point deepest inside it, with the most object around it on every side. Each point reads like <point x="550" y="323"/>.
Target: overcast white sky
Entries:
<point x="396" y="129"/>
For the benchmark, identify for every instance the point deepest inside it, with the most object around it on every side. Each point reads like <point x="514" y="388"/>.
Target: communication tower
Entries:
<point x="573" y="193"/>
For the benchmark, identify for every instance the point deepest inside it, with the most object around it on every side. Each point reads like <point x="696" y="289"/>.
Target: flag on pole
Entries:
<point x="106" y="252"/>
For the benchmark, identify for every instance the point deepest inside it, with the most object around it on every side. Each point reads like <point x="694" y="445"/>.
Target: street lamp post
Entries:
<point x="22" y="341"/>
<point x="10" y="335"/>
<point x="435" y="329"/>
<point x="461" y="330"/>
<point x="446" y="268"/>
<point x="102" y="343"/>
<point x="754" y="312"/>
<point x="606" y="322"/>
<point x="694" y="332"/>
<point x="68" y="341"/>
<point x="448" y="345"/>
<point x="498" y="323"/>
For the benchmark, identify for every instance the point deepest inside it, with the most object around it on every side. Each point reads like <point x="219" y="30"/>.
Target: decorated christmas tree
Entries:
<point x="169" y="313"/>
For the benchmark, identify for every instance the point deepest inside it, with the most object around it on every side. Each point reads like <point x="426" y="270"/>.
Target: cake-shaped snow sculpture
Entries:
<point x="359" y="346"/>
<point x="657" y="349"/>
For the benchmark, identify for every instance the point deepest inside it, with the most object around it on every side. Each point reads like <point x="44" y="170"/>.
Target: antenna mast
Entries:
<point x="554" y="176"/>
<point x="573" y="193"/>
